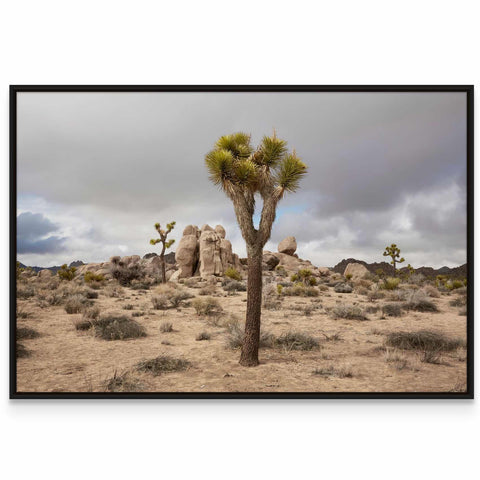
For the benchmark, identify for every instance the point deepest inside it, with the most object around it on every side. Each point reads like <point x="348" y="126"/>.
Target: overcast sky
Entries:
<point x="97" y="170"/>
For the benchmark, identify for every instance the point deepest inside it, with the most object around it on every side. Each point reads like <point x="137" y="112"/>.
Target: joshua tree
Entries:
<point x="165" y="244"/>
<point x="242" y="172"/>
<point x="394" y="252"/>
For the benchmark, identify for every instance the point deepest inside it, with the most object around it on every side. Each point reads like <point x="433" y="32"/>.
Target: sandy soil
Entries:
<point x="66" y="360"/>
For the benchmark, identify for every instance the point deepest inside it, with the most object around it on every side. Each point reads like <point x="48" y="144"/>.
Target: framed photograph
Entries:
<point x="241" y="242"/>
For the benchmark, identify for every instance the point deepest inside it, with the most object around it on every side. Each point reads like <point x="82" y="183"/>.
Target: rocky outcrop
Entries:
<point x="205" y="251"/>
<point x="288" y="246"/>
<point x="269" y="261"/>
<point x="355" y="271"/>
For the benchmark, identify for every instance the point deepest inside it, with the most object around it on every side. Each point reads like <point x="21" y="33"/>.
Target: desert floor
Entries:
<point x="63" y="359"/>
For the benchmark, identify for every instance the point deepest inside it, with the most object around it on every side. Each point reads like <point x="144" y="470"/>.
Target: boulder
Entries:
<point x="45" y="274"/>
<point x="191" y="230"/>
<point x="356" y="270"/>
<point x="288" y="246"/>
<point x="343" y="288"/>
<point x="149" y="255"/>
<point x="186" y="255"/>
<point x="269" y="261"/>
<point x="210" y="256"/>
<point x="226" y="253"/>
<point x="220" y="231"/>
<point x="206" y="228"/>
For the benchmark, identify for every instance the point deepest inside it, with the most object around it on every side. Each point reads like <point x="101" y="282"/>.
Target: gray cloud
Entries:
<point x="381" y="165"/>
<point x="32" y="234"/>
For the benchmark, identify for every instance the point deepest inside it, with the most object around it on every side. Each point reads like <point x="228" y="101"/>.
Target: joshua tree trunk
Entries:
<point x="249" y="356"/>
<point x="162" y="259"/>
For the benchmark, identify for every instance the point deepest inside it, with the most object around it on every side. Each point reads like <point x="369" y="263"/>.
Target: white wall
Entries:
<point x="119" y="42"/>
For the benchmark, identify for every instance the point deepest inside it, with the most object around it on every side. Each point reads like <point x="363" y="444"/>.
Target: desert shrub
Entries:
<point x="423" y="340"/>
<point x="392" y="310"/>
<point x="390" y="283"/>
<point x="342" y="371"/>
<point x="206" y="306"/>
<point x="169" y="297"/>
<point x="300" y="290"/>
<point x="124" y="382"/>
<point x="21" y="351"/>
<point x="202" y="336"/>
<point x="128" y="306"/>
<point x="82" y="323"/>
<point x="114" y="291"/>
<point x="375" y="295"/>
<point x="297" y="341"/>
<point x="418" y="301"/>
<point x="416" y="279"/>
<point x="270" y="297"/>
<point x="305" y="276"/>
<point x="138" y="314"/>
<point x="76" y="303"/>
<point x="25" y="333"/>
<point x="91" y="313"/>
<point x="166" y="327"/>
<point x="140" y="285"/>
<point x="25" y="292"/>
<point x="399" y="359"/>
<point x="431" y="356"/>
<point x="54" y="299"/>
<point x="207" y="290"/>
<point x="453" y="284"/>
<point x="161" y="302"/>
<point x="235" y="336"/>
<point x="66" y="273"/>
<point x="361" y="290"/>
<point x="90" y="277"/>
<point x="362" y="282"/>
<point x="90" y="293"/>
<point x="458" y="302"/>
<point x="334" y="337"/>
<point x="349" y="312"/>
<point x="126" y="274"/>
<point x="116" y="327"/>
<point x="234" y="286"/>
<point x="322" y="288"/>
<point x="348" y="276"/>
<point x="343" y="288"/>
<point x="162" y="364"/>
<point x="280" y="271"/>
<point x="431" y="291"/>
<point x="177" y="298"/>
<point x="233" y="273"/>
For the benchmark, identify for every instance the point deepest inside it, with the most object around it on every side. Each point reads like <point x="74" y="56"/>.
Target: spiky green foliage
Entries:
<point x="393" y="252"/>
<point x="66" y="273"/>
<point x="163" y="233"/>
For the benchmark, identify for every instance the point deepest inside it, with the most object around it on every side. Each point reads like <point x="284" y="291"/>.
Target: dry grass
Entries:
<point x="349" y="312"/>
<point x="162" y="364"/>
<point x="166" y="327"/>
<point x="203" y="336"/>
<point x="124" y="382"/>
<point x="297" y="341"/>
<point x="206" y="306"/>
<point x="341" y="371"/>
<point x="423" y="340"/>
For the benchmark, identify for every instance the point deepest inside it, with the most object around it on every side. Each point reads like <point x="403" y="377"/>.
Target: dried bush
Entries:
<point x="25" y="333"/>
<point x="418" y="301"/>
<point x="124" y="382"/>
<point x="297" y="341"/>
<point x="21" y="351"/>
<point x="375" y="295"/>
<point x="423" y="340"/>
<point x="166" y="327"/>
<point x="342" y="371"/>
<point x="162" y="364"/>
<point x="300" y="290"/>
<point x="458" y="302"/>
<point x="76" y="303"/>
<point x="349" y="312"/>
<point x="116" y="327"/>
<point x="392" y="310"/>
<point x="207" y="290"/>
<point x="202" y="336"/>
<point x="206" y="306"/>
<point x="431" y="291"/>
<point x="125" y="274"/>
<point x="235" y="336"/>
<point x="234" y="286"/>
<point x="25" y="292"/>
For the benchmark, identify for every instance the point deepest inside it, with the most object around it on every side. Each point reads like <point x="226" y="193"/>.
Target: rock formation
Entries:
<point x="288" y="246"/>
<point x="356" y="270"/>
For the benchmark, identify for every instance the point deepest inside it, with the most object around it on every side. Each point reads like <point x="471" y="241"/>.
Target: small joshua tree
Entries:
<point x="394" y="252"/>
<point x="243" y="171"/>
<point x="165" y="244"/>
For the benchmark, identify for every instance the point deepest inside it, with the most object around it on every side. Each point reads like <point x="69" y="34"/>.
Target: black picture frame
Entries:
<point x="468" y="89"/>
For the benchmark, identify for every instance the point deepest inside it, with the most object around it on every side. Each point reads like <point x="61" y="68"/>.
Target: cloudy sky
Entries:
<point x="97" y="170"/>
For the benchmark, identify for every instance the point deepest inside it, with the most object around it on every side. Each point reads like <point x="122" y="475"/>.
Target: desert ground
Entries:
<point x="315" y="338"/>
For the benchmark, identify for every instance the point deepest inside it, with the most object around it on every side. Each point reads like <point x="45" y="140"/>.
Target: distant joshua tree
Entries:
<point x="394" y="252"/>
<point x="165" y="244"/>
<point x="243" y="171"/>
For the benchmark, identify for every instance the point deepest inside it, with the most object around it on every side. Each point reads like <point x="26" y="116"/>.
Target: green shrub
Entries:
<point x="390" y="283"/>
<point x="66" y="273"/>
<point x="233" y="273"/>
<point x="90" y="277"/>
<point x="300" y="290"/>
